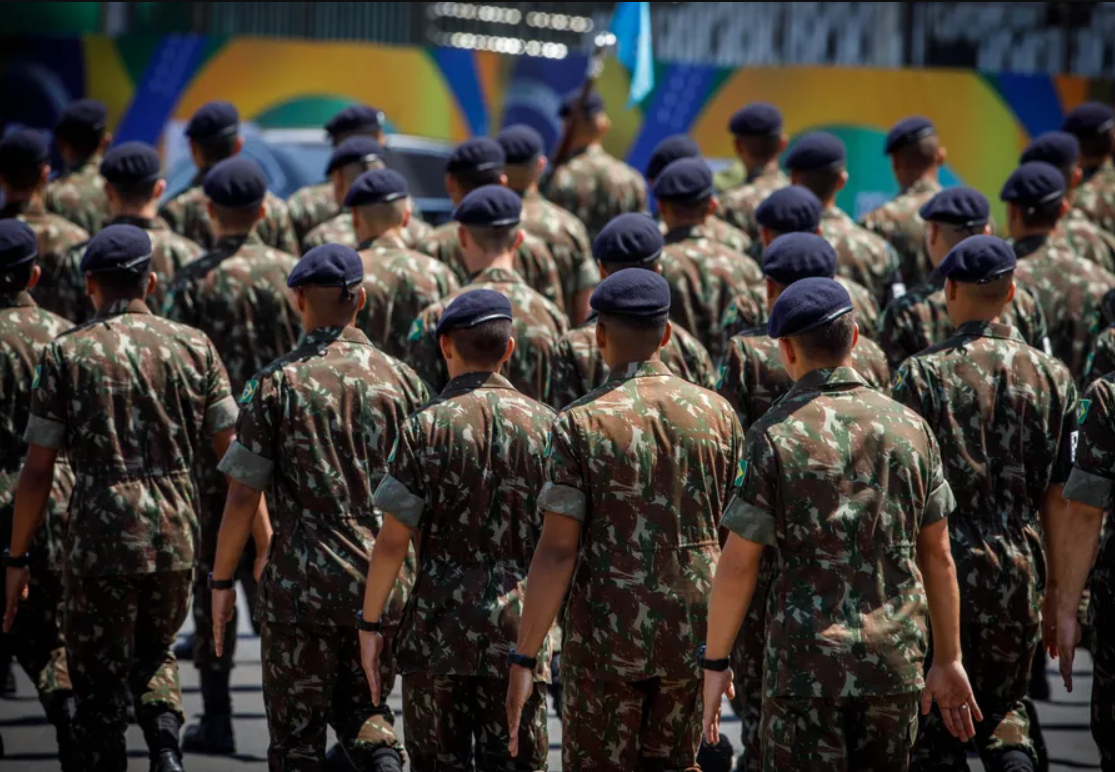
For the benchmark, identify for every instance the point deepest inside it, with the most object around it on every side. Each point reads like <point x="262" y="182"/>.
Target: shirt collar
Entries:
<point x="1029" y="245"/>
<point x="684" y="233"/>
<point x="235" y="243"/>
<point x="649" y="369"/>
<point x="828" y="379"/>
<point x="473" y="381"/>
<point x="989" y="330"/>
<point x="384" y="241"/>
<point x="329" y="334"/>
<point x="771" y="170"/>
<point x="1091" y="172"/>
<point x="117" y="307"/>
<point x="924" y="185"/>
<point x="147" y="223"/>
<point x="496" y="275"/>
<point x="93" y="163"/>
<point x="20" y="299"/>
<point x="835" y="213"/>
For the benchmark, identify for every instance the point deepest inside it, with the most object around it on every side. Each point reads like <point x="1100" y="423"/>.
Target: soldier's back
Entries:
<point x="59" y="290"/>
<point x="1095" y="197"/>
<point x="1088" y="240"/>
<point x="310" y="206"/>
<point x="79" y="196"/>
<point x="596" y="187"/>
<point x="862" y="256"/>
<point x="186" y="214"/>
<point x="567" y="239"/>
<point x="738" y="205"/>
<point x="899" y="222"/>
<point x="336" y="230"/>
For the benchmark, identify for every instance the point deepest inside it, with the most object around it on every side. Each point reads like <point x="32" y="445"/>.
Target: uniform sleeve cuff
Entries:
<point x="562" y="500"/>
<point x="45" y="433"/>
<point x="750" y="522"/>
<point x="396" y="499"/>
<point x="246" y="467"/>
<point x="940" y="505"/>
<point x="221" y="416"/>
<point x="1088" y="488"/>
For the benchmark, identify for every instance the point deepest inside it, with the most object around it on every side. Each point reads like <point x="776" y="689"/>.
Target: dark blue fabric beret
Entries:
<point x="1089" y="118"/>
<point x="632" y="292"/>
<point x="908" y="131"/>
<point x="85" y="116"/>
<point x="18" y="245"/>
<point x="521" y="144"/>
<point x="594" y="104"/>
<point x="1058" y="148"/>
<point x="671" y="149"/>
<point x="354" y="150"/>
<point x="792" y="209"/>
<point x="818" y="150"/>
<point x="236" y="183"/>
<point x="117" y="248"/>
<point x="479" y="154"/>
<point x="355" y="118"/>
<point x="213" y="120"/>
<point x="490" y="206"/>
<point x="963" y="207"/>
<point x="1034" y="183"/>
<point x="796" y="256"/>
<point x="23" y="151"/>
<point x="978" y="260"/>
<point x="631" y="238"/>
<point x="330" y="265"/>
<point x="758" y="119"/>
<point x="132" y="163"/>
<point x="378" y="186"/>
<point x="685" y="180"/>
<point x="473" y="308"/>
<point x="806" y="305"/>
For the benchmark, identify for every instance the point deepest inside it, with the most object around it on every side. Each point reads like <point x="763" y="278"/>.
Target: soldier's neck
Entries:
<point x="584" y="143"/>
<point x="367" y="237"/>
<point x="148" y="211"/>
<point x="1091" y="165"/>
<point x="677" y="223"/>
<point x="983" y="316"/>
<point x="762" y="168"/>
<point x="506" y="261"/>
<point x="623" y="360"/>
<point x="1021" y="232"/>
<point x="230" y="233"/>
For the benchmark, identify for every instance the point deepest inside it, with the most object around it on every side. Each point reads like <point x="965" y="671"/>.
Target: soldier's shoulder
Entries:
<point x="273" y="203"/>
<point x="168" y="239"/>
<point x="59" y="227"/>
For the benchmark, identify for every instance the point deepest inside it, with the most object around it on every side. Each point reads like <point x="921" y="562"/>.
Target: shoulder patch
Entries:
<point x="394" y="450"/>
<point x="38" y="376"/>
<point x="720" y="377"/>
<point x="741" y="474"/>
<point x="415" y="330"/>
<point x="1082" y="411"/>
<point x="250" y="389"/>
<point x="731" y="315"/>
<point x="899" y="380"/>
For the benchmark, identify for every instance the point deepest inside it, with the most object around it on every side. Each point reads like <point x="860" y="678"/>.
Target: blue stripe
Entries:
<point x="458" y="67"/>
<point x="1034" y="100"/>
<point x="169" y="71"/>
<point x="675" y="104"/>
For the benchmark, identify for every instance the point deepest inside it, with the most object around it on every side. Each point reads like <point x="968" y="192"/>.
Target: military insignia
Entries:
<point x="899" y="381"/>
<point x="1082" y="411"/>
<point x="38" y="376"/>
<point x="741" y="474"/>
<point x="720" y="377"/>
<point x="394" y="450"/>
<point x="250" y="389"/>
<point x="1089" y="363"/>
<point x="415" y="330"/>
<point x="549" y="449"/>
<point x="731" y="315"/>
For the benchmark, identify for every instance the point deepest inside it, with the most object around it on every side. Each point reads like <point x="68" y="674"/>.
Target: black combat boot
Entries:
<point x="161" y="730"/>
<point x="386" y="760"/>
<point x="716" y="758"/>
<point x="167" y="761"/>
<point x="212" y="735"/>
<point x="59" y="712"/>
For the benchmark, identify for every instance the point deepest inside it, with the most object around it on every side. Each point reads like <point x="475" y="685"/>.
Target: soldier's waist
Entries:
<point x="85" y="474"/>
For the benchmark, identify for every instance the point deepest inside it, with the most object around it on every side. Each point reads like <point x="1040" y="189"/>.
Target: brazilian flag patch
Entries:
<point x="549" y="449"/>
<point x="415" y="330"/>
<point x="1082" y="411"/>
<point x="720" y="377"/>
<point x="38" y="376"/>
<point x="394" y="450"/>
<point x="741" y="473"/>
<point x="250" y="389"/>
<point x="899" y="381"/>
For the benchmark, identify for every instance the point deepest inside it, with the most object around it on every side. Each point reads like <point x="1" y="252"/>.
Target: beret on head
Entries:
<point x="908" y="131"/>
<point x="213" y="120"/>
<point x="490" y="206"/>
<point x="632" y="292"/>
<point x="377" y="186"/>
<point x="671" y="149"/>
<point x="354" y="150"/>
<point x="818" y="150"/>
<point x="687" y="180"/>
<point x="978" y="260"/>
<point x="236" y="183"/>
<point x="962" y="207"/>
<point x="472" y="308"/>
<point x="1058" y="148"/>
<point x="758" y="119"/>
<point x="117" y="248"/>
<point x="1034" y="183"/>
<point x="796" y="256"/>
<point x="478" y="154"/>
<point x="1089" y="118"/>
<point x="131" y="164"/>
<point x="632" y="238"/>
<point x="521" y="144"/>
<point x="594" y="104"/>
<point x="85" y="116"/>
<point x="330" y="265"/>
<point x="806" y="305"/>
<point x="792" y="209"/>
<point x="22" y="152"/>
<point x="355" y="118"/>
<point x="18" y="245"/>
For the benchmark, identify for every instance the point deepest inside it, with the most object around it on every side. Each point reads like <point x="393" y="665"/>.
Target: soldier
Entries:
<point x="35" y="639"/>
<point x="489" y="234"/>
<point x="473" y="164"/>
<point x="81" y="136"/>
<point x="23" y="176"/>
<point x="592" y="184"/>
<point x="471" y="497"/>
<point x="639" y="472"/>
<point x="759" y="141"/>
<point x="843" y="679"/>
<point x="817" y="161"/>
<point x="916" y="156"/>
<point x="214" y="135"/>
<point x="564" y="235"/>
<point x="399" y="283"/>
<point x="236" y="294"/>
<point x="102" y="393"/>
<point x="315" y="432"/>
<point x="1093" y="123"/>
<point x="629" y="241"/>
<point x="919" y="319"/>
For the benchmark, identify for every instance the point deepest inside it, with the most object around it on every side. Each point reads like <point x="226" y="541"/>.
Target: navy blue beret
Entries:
<point x="330" y="265"/>
<point x="594" y="104"/>
<point x="806" y="305"/>
<point x="978" y="260"/>
<point x="792" y="209"/>
<point x="671" y="149"/>
<point x="796" y="256"/>
<point x="684" y="181"/>
<point x="758" y="119"/>
<point x="213" y="120"/>
<point x="1058" y="148"/>
<point x="117" y="248"/>
<point x="479" y="154"/>
<point x="23" y="151"/>
<point x="236" y="183"/>
<point x="818" y="150"/>
<point x="1089" y="118"/>
<point x="1034" y="183"/>
<point x="908" y="131"/>
<point x="378" y="186"/>
<point x="521" y="144"/>
<point x="18" y="245"/>
<point x="354" y="150"/>
<point x="632" y="292"/>
<point x="473" y="308"/>
<point x="355" y="118"/>
<point x="130" y="164"/>
<point x="631" y="238"/>
<point x="963" y="207"/>
<point x="85" y="116"/>
<point x="490" y="206"/>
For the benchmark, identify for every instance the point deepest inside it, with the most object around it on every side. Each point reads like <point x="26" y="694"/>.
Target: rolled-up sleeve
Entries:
<point x="752" y="513"/>
<point x="750" y="522"/>
<point x="45" y="433"/>
<point x="221" y="416"/>
<point x="246" y="467"/>
<point x="940" y="502"/>
<point x="394" y="498"/>
<point x="564" y="490"/>
<point x="1090" y="481"/>
<point x="1088" y="488"/>
<point x="46" y="425"/>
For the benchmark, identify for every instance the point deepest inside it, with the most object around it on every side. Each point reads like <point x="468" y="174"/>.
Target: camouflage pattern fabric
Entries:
<point x="596" y="187"/>
<point x="867" y="310"/>
<point x="58" y="290"/>
<point x="1088" y="240"/>
<point x="899" y="223"/>
<point x="339" y="230"/>
<point x="35" y="640"/>
<point x="1102" y="358"/>
<point x="730" y="177"/>
<point x="747" y="310"/>
<point x="186" y="214"/>
<point x="1096" y="196"/>
<point x="537" y="327"/>
<point x="746" y="659"/>
<point x="1005" y="419"/>
<point x="79" y="195"/>
<point x="566" y="238"/>
<point x="726" y="235"/>
<point x="310" y="206"/>
<point x="738" y="205"/>
<point x="862" y="256"/>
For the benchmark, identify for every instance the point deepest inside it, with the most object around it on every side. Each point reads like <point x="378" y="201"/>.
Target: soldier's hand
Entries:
<point x="371" y="648"/>
<point x="717" y="684"/>
<point x="1068" y="638"/>
<point x="520" y="685"/>
<point x="258" y="566"/>
<point x="947" y="683"/>
<point x="17" y="579"/>
<point x="1049" y="623"/>
<point x="224" y="606"/>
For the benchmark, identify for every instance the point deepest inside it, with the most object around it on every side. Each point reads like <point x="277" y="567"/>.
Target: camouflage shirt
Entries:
<point x="738" y="205"/>
<point x="730" y="177"/>
<point x="840" y="479"/>
<point x="749" y="309"/>
<point x="726" y="235"/>
<point x="579" y="366"/>
<point x="310" y="206"/>
<point x="339" y="230"/>
<point x="596" y="188"/>
<point x="130" y="398"/>
<point x="1102" y="358"/>
<point x="646" y="464"/>
<point x="862" y="256"/>
<point x="79" y="195"/>
<point x="315" y="431"/>
<point x="900" y="224"/>
<point x="1096" y="196"/>
<point x="58" y="290"/>
<point x="1088" y="240"/>
<point x="566" y="238"/>
<point x="465" y="474"/>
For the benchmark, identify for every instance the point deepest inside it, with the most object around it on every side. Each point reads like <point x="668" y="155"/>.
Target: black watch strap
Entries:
<point x="367" y="627"/>
<point x="530" y="663"/>
<point x="16" y="561"/>
<point x="715" y="665"/>
<point x="221" y="584"/>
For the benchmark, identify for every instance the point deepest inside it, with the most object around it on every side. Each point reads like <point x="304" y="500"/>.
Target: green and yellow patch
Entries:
<point x="250" y="389"/>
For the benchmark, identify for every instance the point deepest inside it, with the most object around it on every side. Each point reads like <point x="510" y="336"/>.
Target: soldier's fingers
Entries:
<point x="977" y="714"/>
<point x="731" y="688"/>
<point x="965" y="715"/>
<point x="219" y="637"/>
<point x="926" y="701"/>
<point x="1066" y="668"/>
<point x="947" y="714"/>
<point x="373" y="679"/>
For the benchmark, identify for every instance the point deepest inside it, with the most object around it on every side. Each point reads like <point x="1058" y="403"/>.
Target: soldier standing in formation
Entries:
<point x="759" y="141"/>
<point x="81" y="136"/>
<point x="1093" y="124"/>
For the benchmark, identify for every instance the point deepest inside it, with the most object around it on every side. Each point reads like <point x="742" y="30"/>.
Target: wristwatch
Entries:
<point x="367" y="627"/>
<point x="715" y="665"/>
<point x="16" y="561"/>
<point x="220" y="584"/>
<point x="530" y="663"/>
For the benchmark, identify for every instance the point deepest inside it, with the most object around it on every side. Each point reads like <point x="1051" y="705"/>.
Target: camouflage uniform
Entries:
<point x="538" y="325"/>
<point x="1096" y="196"/>
<point x="636" y="611"/>
<point x="1102" y="358"/>
<point x="596" y="188"/>
<point x="339" y="230"/>
<point x="749" y="309"/>
<point x="738" y="205"/>
<point x="900" y="224"/>
<point x="841" y="680"/>
<point x="1005" y="418"/>
<point x="862" y="256"/>
<point x="472" y="499"/>
<point x="726" y="235"/>
<point x="310" y="206"/>
<point x="118" y="383"/>
<point x="1088" y="240"/>
<point x="79" y="195"/>
<point x="730" y="177"/>
<point x="58" y="290"/>
<point x="566" y="238"/>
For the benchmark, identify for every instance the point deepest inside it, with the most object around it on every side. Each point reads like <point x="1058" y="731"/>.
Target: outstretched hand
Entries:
<point x="717" y="684"/>
<point x="947" y="683"/>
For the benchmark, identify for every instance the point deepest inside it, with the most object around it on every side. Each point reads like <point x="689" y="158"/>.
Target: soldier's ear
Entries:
<point x="238" y="146"/>
<point x="508" y="351"/>
<point x="160" y="188"/>
<point x="36" y="274"/>
<point x="601" y="336"/>
<point x="44" y="178"/>
<point x="519" y="239"/>
<point x="666" y="335"/>
<point x="713" y="205"/>
<point x="462" y="236"/>
<point x="855" y="335"/>
<point x="1011" y="291"/>
<point x="843" y="180"/>
<point x="445" y="343"/>
<point x="407" y="214"/>
<point x="152" y="283"/>
<point x="363" y="301"/>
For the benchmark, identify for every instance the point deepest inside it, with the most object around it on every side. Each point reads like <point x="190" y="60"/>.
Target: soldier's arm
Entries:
<point x="1053" y="502"/>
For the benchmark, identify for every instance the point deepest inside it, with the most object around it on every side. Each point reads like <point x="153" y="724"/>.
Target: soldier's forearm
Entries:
<point x="551" y="571"/>
<point x="383" y="569"/>
<point x="732" y="589"/>
<point x="31" y="496"/>
<point x="261" y="527"/>
<point x="1052" y="524"/>
<point x="1076" y="551"/>
<point x="241" y="507"/>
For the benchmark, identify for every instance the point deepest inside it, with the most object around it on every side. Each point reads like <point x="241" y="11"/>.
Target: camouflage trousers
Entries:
<point x="35" y="639"/>
<point x="312" y="678"/>
<point x="449" y="720"/>
<point x="119" y="632"/>
<point x="650" y="726"/>
<point x="747" y="668"/>
<point x="1103" y="655"/>
<point x="847" y="734"/>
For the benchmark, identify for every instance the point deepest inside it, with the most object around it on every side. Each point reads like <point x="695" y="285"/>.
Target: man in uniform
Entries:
<point x="916" y="156"/>
<point x="639" y="473"/>
<point x="102" y="393"/>
<point x="846" y="486"/>
<point x="24" y="172"/>
<point x="817" y="161"/>
<point x="471" y="498"/>
<point x="759" y="141"/>
<point x="81" y="136"/>
<point x="214" y="135"/>
<point x="489" y="234"/>
<point x="315" y="431"/>
<point x="563" y="234"/>
<point x="592" y="184"/>
<point x="1093" y="123"/>
<point x="1004" y="415"/>
<point x="629" y="241"/>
